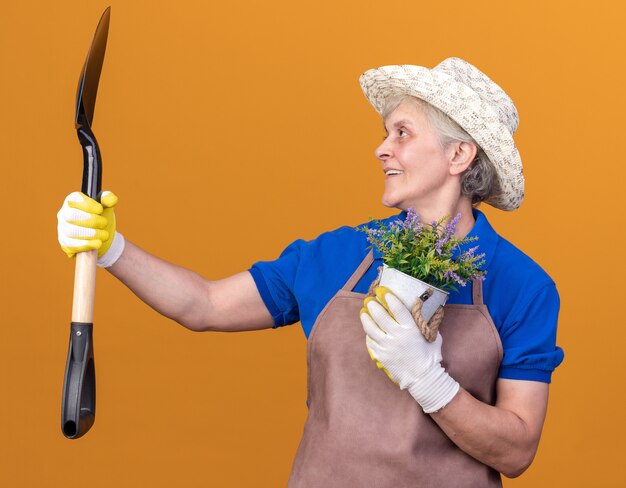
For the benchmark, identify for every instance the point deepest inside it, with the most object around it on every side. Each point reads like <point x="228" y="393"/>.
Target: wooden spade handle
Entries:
<point x="78" y="410"/>
<point x="84" y="286"/>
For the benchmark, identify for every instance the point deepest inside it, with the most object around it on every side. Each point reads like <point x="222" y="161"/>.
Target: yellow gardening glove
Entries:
<point x="380" y="294"/>
<point x="395" y="342"/>
<point x="84" y="225"/>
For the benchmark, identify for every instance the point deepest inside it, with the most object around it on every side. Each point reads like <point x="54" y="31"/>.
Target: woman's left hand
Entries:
<point x="398" y="347"/>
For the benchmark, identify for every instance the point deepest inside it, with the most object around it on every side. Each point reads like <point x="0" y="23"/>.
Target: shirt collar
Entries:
<point x="487" y="237"/>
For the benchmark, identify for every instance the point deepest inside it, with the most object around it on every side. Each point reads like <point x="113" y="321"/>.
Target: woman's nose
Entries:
<point x="383" y="151"/>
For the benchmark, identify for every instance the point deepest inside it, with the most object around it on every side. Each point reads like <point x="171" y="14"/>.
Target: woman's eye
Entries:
<point x="401" y="133"/>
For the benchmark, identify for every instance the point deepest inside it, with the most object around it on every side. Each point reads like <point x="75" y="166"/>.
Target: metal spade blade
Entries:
<point x="90" y="75"/>
<point x="78" y="410"/>
<point x="85" y="105"/>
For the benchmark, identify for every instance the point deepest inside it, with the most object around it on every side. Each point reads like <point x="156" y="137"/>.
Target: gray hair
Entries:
<point x="480" y="180"/>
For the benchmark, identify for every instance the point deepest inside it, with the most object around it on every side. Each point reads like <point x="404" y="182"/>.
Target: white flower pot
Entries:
<point x="409" y="290"/>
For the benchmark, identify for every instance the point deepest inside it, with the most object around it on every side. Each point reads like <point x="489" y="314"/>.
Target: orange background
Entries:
<point x="230" y="129"/>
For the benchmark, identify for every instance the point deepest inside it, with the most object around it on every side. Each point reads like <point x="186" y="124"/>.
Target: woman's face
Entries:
<point x="415" y="163"/>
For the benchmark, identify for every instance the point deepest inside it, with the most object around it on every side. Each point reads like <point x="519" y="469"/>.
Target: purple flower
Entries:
<point x="412" y="221"/>
<point x="440" y="242"/>
<point x="470" y="254"/>
<point x="452" y="275"/>
<point x="374" y="232"/>
<point x="451" y="225"/>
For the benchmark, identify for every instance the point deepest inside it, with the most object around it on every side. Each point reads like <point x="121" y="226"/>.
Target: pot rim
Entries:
<point x="385" y="266"/>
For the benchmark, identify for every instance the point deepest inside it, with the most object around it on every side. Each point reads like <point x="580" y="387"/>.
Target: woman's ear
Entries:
<point x="461" y="157"/>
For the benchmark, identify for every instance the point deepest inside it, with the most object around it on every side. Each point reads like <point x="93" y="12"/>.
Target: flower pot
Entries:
<point x="409" y="290"/>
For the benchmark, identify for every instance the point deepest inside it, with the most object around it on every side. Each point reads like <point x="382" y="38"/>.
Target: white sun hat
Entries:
<point x="473" y="101"/>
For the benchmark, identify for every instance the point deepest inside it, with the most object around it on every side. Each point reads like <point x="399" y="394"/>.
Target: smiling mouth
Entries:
<point x="393" y="172"/>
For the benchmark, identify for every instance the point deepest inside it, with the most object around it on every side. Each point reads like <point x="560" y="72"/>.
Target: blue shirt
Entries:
<point x="522" y="299"/>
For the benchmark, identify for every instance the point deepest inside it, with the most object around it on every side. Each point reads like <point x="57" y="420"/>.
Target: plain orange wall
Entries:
<point x="230" y="129"/>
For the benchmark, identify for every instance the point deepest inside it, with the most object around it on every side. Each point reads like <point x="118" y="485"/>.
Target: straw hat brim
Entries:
<point x="466" y="108"/>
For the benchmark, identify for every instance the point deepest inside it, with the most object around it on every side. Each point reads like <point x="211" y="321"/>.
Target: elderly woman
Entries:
<point x="454" y="412"/>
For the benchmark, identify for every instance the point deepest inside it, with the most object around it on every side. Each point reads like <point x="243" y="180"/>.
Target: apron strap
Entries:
<point x="477" y="292"/>
<point x="360" y="271"/>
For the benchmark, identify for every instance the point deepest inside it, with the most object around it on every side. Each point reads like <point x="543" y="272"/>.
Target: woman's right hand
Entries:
<point x="85" y="225"/>
<point x="229" y="304"/>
